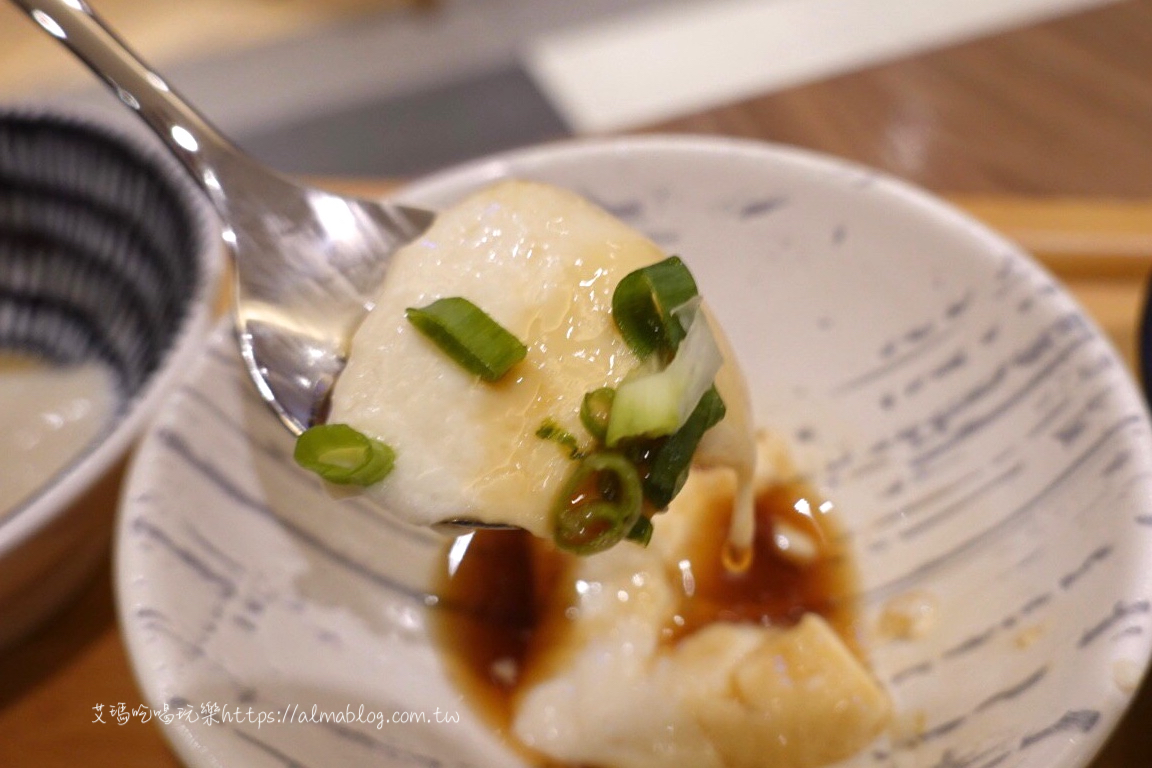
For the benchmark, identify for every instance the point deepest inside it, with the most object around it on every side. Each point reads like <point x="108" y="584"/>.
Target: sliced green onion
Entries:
<point x="643" y="302"/>
<point x="595" y="410"/>
<point x="550" y="430"/>
<point x="645" y="406"/>
<point x="658" y="404"/>
<point x="340" y="454"/>
<point x="673" y="459"/>
<point x="469" y="336"/>
<point x="641" y="533"/>
<point x="598" y="505"/>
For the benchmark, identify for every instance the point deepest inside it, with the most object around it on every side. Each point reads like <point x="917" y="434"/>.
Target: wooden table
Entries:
<point x="1046" y="133"/>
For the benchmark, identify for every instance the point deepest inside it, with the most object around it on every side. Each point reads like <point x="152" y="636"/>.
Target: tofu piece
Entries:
<point x="615" y="693"/>
<point x="795" y="697"/>
<point x="543" y="262"/>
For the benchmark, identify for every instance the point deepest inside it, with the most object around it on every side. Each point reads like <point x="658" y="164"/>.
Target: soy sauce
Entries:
<point x="774" y="590"/>
<point x="495" y="608"/>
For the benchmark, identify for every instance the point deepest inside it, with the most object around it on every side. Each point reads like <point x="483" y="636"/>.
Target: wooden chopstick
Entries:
<point x="1074" y="237"/>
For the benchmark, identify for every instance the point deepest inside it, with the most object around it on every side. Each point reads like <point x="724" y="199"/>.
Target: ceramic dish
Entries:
<point x="986" y="445"/>
<point x="108" y="258"/>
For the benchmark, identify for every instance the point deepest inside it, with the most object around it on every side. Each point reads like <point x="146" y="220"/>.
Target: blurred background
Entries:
<point x="977" y="95"/>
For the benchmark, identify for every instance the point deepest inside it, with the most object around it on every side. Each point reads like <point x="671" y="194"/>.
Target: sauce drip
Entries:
<point x="495" y="602"/>
<point x="767" y="586"/>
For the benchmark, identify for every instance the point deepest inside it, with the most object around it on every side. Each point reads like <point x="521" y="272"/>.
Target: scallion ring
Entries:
<point x="658" y="404"/>
<point x="550" y="430"/>
<point x="643" y="302"/>
<point x="595" y="409"/>
<point x="469" y="336"/>
<point x="641" y="532"/>
<point x="342" y="455"/>
<point x="670" y="465"/>
<point x="599" y="504"/>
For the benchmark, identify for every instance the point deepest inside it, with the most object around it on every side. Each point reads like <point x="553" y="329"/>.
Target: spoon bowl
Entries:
<point x="307" y="261"/>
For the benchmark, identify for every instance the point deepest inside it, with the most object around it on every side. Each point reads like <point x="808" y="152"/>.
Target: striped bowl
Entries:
<point x="988" y="451"/>
<point x="107" y="254"/>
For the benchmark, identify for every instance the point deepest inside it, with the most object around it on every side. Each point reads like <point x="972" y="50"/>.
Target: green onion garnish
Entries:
<point x="595" y="410"/>
<point x="673" y="459"/>
<point x="645" y="406"/>
<point x="340" y="454"/>
<point x="646" y="430"/>
<point x="643" y="302"/>
<point x="598" y="505"/>
<point x="658" y="404"/>
<point x="469" y="336"/>
<point x="550" y="430"/>
<point x="641" y="533"/>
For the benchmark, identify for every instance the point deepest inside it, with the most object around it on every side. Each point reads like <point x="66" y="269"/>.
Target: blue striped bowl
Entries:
<point x="108" y="254"/>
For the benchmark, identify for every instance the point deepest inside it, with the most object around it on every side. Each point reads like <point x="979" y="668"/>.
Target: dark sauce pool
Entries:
<point x="501" y="605"/>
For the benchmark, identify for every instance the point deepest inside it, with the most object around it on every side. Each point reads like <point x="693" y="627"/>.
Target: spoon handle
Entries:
<point x="203" y="150"/>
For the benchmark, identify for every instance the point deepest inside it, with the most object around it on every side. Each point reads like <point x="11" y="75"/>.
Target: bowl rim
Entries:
<point x="24" y="521"/>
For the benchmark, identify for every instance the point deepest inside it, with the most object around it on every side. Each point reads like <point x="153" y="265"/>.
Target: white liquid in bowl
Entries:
<point x="48" y="415"/>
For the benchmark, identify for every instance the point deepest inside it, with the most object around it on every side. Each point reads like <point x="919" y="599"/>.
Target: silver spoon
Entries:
<point x="307" y="262"/>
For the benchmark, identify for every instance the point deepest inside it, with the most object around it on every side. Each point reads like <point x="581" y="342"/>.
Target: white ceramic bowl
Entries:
<point x="106" y="253"/>
<point x="984" y="443"/>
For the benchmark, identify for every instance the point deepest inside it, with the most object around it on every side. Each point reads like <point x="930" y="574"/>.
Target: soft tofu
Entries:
<point x="614" y="693"/>
<point x="543" y="262"/>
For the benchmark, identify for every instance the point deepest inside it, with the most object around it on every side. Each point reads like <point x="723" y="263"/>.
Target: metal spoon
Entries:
<point x="308" y="262"/>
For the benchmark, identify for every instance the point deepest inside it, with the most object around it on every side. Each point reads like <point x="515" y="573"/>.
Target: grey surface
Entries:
<point x="417" y="132"/>
<point x="352" y="83"/>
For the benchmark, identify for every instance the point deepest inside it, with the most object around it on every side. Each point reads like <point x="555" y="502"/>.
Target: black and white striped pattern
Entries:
<point x="99" y="247"/>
